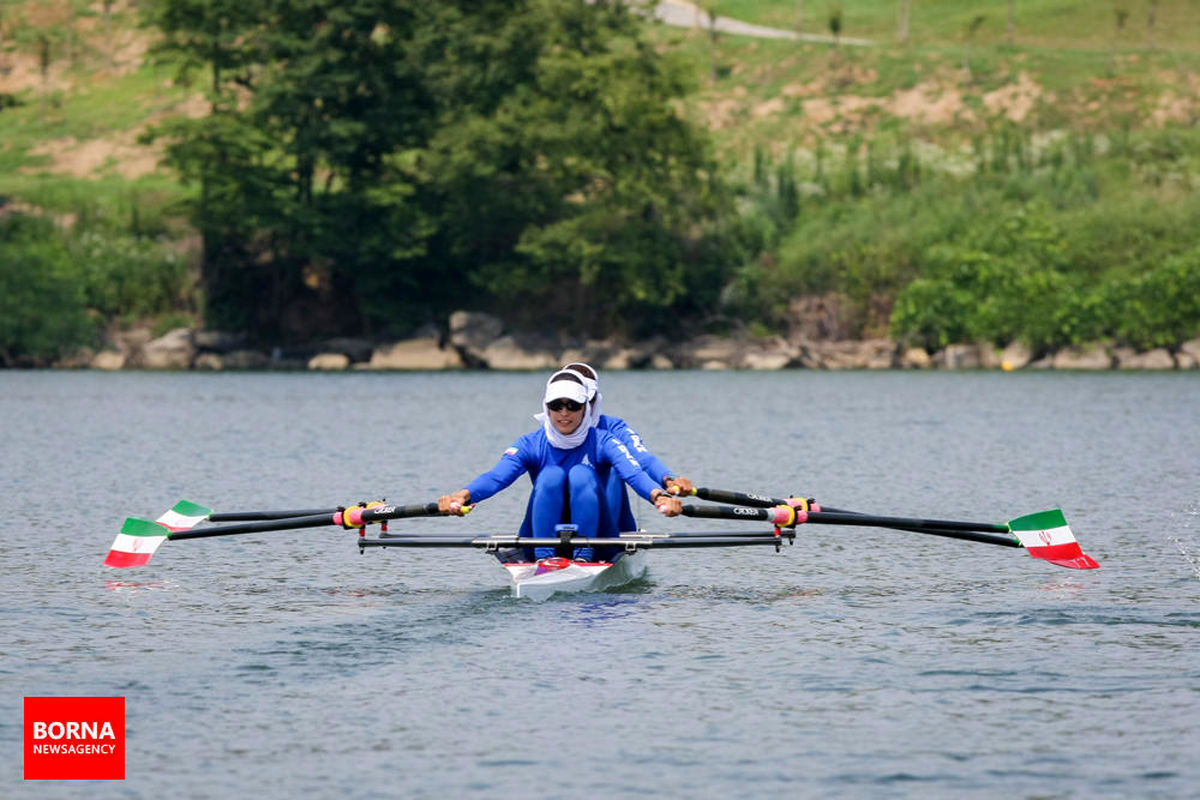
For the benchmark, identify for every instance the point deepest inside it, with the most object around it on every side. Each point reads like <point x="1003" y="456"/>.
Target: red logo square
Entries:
<point x="74" y="738"/>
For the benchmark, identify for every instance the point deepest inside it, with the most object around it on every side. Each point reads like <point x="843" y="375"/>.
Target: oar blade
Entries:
<point x="140" y="538"/>
<point x="1047" y="536"/>
<point x="184" y="515"/>
<point x="136" y="543"/>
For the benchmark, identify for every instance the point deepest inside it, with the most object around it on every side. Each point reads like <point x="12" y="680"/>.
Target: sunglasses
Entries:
<point x="560" y="404"/>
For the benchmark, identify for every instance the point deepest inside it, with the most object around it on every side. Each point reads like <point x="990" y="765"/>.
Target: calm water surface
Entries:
<point x="858" y="663"/>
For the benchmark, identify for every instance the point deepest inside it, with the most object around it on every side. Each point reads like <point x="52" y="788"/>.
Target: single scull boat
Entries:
<point x="1044" y="535"/>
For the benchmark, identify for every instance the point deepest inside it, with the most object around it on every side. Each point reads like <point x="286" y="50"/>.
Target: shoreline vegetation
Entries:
<point x="478" y="341"/>
<point x="340" y="189"/>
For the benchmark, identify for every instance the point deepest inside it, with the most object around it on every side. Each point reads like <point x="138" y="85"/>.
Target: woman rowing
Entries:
<point x="617" y="515"/>
<point x="562" y="458"/>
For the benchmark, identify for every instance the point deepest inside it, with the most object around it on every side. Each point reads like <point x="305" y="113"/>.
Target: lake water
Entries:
<point x="858" y="663"/>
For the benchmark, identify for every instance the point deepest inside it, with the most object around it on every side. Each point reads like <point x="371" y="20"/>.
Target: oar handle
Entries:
<point x="781" y="515"/>
<point x="358" y="516"/>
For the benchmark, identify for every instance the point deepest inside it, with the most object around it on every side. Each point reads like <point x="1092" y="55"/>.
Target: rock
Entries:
<point x="415" y="354"/>
<point x="108" y="360"/>
<point x="1016" y="356"/>
<point x="1158" y="358"/>
<point x="867" y="354"/>
<point x="173" y="350"/>
<point x="245" y="359"/>
<point x="1093" y="356"/>
<point x="80" y="359"/>
<point x="817" y="319"/>
<point x="916" y="358"/>
<point x="329" y="362"/>
<point x="959" y="356"/>
<point x="621" y="359"/>
<point x="659" y="361"/>
<point x="507" y="353"/>
<point x="767" y="359"/>
<point x="474" y="330"/>
<point x="1188" y="356"/>
<point x="355" y="350"/>
<point x="709" y="352"/>
<point x="990" y="356"/>
<point x="208" y="361"/>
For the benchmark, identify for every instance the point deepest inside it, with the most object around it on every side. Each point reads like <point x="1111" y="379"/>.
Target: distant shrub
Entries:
<point x="42" y="310"/>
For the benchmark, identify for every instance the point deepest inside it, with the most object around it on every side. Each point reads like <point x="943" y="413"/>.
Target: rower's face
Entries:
<point x="565" y="421"/>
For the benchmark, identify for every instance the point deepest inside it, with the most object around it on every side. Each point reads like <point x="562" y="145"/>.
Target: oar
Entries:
<point x="738" y="498"/>
<point x="1045" y="534"/>
<point x="760" y="500"/>
<point x="140" y="538"/>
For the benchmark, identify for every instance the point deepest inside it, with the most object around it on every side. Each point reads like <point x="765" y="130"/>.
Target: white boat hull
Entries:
<point x="539" y="584"/>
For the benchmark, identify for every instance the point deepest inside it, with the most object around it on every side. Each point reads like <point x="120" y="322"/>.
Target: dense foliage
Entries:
<point x="58" y="288"/>
<point x="1055" y="245"/>
<point x="370" y="165"/>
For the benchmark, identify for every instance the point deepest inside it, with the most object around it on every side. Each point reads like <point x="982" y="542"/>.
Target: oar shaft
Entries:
<point x="251" y="516"/>
<point x="987" y="533"/>
<point x="355" y="517"/>
<point x="738" y="498"/>
<point x="290" y="523"/>
<point x="906" y="523"/>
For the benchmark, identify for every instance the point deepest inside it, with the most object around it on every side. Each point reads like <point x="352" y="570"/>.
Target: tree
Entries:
<point x="371" y="164"/>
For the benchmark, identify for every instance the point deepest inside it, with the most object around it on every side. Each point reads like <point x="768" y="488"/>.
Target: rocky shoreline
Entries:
<point x="479" y="341"/>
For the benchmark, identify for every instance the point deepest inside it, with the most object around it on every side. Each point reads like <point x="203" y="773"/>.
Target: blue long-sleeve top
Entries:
<point x="533" y="452"/>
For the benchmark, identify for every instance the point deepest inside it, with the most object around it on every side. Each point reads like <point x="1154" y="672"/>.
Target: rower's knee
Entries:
<point x="583" y="478"/>
<point x="550" y="479"/>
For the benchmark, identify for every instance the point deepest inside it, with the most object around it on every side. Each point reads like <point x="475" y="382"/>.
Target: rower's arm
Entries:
<point x="654" y="467"/>
<point x="500" y="477"/>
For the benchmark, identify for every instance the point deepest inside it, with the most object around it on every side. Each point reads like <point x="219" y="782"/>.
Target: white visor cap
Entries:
<point x="566" y="390"/>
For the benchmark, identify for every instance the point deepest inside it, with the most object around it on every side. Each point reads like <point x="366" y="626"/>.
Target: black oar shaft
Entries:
<point x="985" y="532"/>
<point x="250" y="516"/>
<point x="355" y="516"/>
<point x="738" y="498"/>
<point x="853" y="518"/>
<point x="313" y="521"/>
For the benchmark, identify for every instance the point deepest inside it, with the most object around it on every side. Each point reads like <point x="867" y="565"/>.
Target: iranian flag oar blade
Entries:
<point x="1046" y="535"/>
<point x="139" y="538"/>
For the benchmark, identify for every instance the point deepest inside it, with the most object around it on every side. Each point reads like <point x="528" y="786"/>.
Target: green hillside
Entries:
<point x="961" y="178"/>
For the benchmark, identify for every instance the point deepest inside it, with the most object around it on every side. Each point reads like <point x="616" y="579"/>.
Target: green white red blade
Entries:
<point x="1046" y="535"/>
<point x="139" y="538"/>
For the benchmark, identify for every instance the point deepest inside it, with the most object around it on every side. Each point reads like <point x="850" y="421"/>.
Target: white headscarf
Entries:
<point x="562" y="388"/>
<point x="595" y="399"/>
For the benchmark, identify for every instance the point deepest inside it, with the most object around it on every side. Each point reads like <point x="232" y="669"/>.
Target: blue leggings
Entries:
<point x="552" y="490"/>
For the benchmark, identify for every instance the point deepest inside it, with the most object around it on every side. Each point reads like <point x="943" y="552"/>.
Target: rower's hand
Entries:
<point x="678" y="485"/>
<point x="668" y="505"/>
<point x="457" y="504"/>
